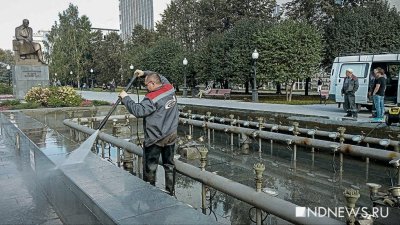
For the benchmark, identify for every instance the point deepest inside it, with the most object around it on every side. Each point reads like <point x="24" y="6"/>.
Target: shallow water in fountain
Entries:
<point x="309" y="184"/>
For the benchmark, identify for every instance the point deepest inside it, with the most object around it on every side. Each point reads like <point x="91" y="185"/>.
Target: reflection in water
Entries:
<point x="314" y="182"/>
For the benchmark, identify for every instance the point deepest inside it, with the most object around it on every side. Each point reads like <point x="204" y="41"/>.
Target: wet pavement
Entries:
<point x="21" y="200"/>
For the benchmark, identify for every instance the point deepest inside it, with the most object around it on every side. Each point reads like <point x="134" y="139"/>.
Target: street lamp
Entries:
<point x="185" y="62"/>
<point x="254" y="94"/>
<point x="91" y="74"/>
<point x="9" y="75"/>
<point x="71" y="73"/>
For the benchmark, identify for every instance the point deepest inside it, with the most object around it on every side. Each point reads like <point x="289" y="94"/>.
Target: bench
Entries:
<point x="324" y="95"/>
<point x="226" y="93"/>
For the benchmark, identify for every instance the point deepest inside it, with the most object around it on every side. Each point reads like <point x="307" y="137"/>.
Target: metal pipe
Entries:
<point x="354" y="150"/>
<point x="242" y="192"/>
<point x="321" y="133"/>
<point x="279" y="207"/>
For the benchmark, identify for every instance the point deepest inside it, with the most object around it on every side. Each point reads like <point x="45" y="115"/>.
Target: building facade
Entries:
<point x="135" y="12"/>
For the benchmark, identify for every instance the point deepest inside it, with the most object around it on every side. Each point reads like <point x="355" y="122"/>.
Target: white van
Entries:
<point x="363" y="66"/>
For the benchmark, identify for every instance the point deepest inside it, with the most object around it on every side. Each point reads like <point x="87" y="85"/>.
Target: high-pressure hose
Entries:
<point x="139" y="143"/>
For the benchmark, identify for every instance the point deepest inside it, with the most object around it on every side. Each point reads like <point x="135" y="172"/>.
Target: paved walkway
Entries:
<point x="21" y="200"/>
<point x="330" y="111"/>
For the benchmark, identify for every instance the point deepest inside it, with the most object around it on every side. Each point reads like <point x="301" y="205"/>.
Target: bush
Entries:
<point x="54" y="96"/>
<point x="10" y="103"/>
<point x="39" y="95"/>
<point x="28" y="105"/>
<point x="5" y="89"/>
<point x="100" y="102"/>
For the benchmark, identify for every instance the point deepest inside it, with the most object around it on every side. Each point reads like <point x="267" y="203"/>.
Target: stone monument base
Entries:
<point x="27" y="76"/>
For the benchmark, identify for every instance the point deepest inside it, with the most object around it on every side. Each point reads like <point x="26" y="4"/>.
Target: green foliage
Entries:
<point x="166" y="58"/>
<point x="5" y="89"/>
<point x="28" y="105"/>
<point x="189" y="22"/>
<point x="54" y="96"/>
<point x="38" y="95"/>
<point x="9" y="102"/>
<point x="106" y="59"/>
<point x="69" y="43"/>
<point x="289" y="51"/>
<point x="373" y="28"/>
<point x="100" y="102"/>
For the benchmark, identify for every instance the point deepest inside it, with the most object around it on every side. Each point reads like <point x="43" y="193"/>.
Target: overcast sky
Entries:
<point x="43" y="13"/>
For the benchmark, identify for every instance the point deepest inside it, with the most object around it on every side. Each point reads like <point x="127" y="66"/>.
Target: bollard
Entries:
<point x="259" y="169"/>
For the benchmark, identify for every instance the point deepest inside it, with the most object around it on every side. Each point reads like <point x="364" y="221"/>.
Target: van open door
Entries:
<point x="361" y="70"/>
<point x="333" y="81"/>
<point x="398" y="90"/>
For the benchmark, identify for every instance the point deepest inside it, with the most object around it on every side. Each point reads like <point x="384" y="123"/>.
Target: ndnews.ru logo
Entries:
<point x="342" y="212"/>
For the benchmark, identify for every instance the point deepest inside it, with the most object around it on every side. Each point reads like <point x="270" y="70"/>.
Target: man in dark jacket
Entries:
<point x="160" y="112"/>
<point x="350" y="86"/>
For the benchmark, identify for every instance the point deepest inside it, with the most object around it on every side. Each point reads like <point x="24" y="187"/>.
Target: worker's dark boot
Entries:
<point x="170" y="183"/>
<point x="150" y="179"/>
<point x="355" y="115"/>
<point x="348" y="114"/>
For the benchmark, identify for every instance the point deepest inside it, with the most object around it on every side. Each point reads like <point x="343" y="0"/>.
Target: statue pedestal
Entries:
<point x="27" y="76"/>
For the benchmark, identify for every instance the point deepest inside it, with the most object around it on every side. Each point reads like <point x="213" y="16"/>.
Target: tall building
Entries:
<point x="134" y="12"/>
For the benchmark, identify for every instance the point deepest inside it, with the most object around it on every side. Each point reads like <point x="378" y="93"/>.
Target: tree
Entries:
<point x="106" y="58"/>
<point x="135" y="49"/>
<point x="165" y="57"/>
<point x="240" y="44"/>
<point x="69" y="44"/>
<point x="210" y="58"/>
<point x="179" y="22"/>
<point x="373" y="28"/>
<point x="289" y="51"/>
<point x="191" y="21"/>
<point x="6" y="58"/>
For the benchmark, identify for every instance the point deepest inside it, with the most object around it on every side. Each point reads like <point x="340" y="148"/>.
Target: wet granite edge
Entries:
<point x="97" y="192"/>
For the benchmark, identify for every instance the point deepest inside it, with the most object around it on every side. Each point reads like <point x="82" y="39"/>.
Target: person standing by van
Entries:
<point x="319" y="85"/>
<point x="350" y="86"/>
<point x="370" y="90"/>
<point x="378" y="95"/>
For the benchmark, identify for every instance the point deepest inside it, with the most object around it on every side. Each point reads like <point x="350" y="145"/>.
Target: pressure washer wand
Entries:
<point x="104" y="121"/>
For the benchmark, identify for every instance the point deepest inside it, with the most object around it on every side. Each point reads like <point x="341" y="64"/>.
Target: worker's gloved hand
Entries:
<point x="123" y="94"/>
<point x="139" y="73"/>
